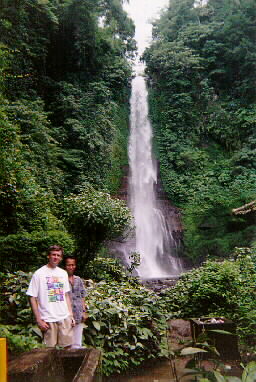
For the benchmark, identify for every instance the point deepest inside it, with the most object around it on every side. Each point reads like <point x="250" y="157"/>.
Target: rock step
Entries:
<point x="157" y="285"/>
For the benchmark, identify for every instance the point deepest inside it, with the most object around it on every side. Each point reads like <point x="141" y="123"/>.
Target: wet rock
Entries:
<point x="182" y="327"/>
<point x="158" y="285"/>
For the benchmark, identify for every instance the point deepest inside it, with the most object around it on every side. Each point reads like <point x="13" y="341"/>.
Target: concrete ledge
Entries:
<point x="40" y="365"/>
<point x="34" y="366"/>
<point x="89" y="370"/>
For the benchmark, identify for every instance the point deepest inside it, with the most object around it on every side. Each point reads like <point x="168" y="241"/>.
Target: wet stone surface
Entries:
<point x="157" y="285"/>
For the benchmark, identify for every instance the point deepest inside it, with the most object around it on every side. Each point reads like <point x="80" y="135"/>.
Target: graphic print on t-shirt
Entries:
<point x="55" y="289"/>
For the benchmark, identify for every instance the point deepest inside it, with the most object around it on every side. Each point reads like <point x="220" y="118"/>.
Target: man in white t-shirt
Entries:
<point x="50" y="301"/>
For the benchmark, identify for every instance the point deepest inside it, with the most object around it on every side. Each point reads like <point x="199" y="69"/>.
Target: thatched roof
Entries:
<point x="249" y="207"/>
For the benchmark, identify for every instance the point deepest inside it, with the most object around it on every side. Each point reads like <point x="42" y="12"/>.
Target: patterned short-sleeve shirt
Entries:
<point x="77" y="293"/>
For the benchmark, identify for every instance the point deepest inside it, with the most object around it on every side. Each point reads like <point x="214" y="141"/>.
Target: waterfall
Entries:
<point x="153" y="221"/>
<point x="153" y="239"/>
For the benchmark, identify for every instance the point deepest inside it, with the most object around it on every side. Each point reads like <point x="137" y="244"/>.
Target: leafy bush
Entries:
<point x="93" y="217"/>
<point x="105" y="269"/>
<point x="27" y="250"/>
<point x="127" y="322"/>
<point x="212" y="287"/>
<point x="14" y="304"/>
<point x="249" y="375"/>
<point x="218" y="289"/>
<point x="15" y="313"/>
<point x="19" y="338"/>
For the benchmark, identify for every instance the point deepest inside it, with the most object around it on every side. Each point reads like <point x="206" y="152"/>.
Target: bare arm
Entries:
<point x="85" y="312"/>
<point x="34" y="306"/>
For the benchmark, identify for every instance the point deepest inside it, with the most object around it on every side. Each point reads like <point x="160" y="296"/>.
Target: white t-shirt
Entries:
<point x="49" y="286"/>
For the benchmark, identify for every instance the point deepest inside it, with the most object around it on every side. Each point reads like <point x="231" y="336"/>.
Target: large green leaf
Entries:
<point x="221" y="331"/>
<point x="249" y="373"/>
<point x="191" y="350"/>
<point x="96" y="324"/>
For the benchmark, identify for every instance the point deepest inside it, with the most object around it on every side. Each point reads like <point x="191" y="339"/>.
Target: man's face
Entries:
<point x="70" y="266"/>
<point x="54" y="258"/>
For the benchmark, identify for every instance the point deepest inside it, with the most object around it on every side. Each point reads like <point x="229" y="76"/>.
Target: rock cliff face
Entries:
<point x="172" y="216"/>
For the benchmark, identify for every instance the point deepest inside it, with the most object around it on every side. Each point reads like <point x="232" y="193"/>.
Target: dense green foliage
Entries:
<point x="64" y="86"/>
<point x="14" y="304"/>
<point x="216" y="289"/>
<point x="106" y="269"/>
<point x="19" y="338"/>
<point x="93" y="217"/>
<point x="126" y="321"/>
<point x="27" y="251"/>
<point x="15" y="313"/>
<point x="203" y="107"/>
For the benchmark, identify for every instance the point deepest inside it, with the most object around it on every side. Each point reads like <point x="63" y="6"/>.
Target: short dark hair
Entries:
<point x="69" y="257"/>
<point x="55" y="248"/>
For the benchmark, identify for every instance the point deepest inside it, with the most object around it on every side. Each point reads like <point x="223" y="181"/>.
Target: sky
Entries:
<point x="142" y="11"/>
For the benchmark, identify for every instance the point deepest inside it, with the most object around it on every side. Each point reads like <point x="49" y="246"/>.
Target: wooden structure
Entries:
<point x="247" y="208"/>
<point x="226" y="344"/>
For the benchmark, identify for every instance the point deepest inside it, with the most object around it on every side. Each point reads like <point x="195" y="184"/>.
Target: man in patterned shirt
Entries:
<point x="48" y="293"/>
<point x="77" y="294"/>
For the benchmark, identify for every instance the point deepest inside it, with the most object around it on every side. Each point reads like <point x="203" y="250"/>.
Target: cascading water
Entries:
<point x="152" y="236"/>
<point x="153" y="239"/>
